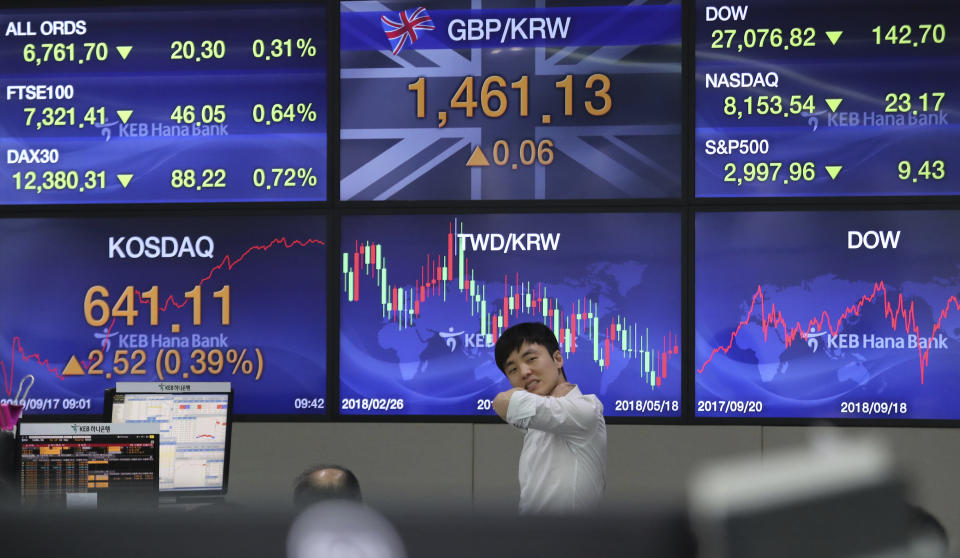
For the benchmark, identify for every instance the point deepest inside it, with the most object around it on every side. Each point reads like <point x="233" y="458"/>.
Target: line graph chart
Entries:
<point x="181" y="317"/>
<point x="796" y="319"/>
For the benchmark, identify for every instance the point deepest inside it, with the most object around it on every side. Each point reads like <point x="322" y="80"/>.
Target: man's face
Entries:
<point x="532" y="368"/>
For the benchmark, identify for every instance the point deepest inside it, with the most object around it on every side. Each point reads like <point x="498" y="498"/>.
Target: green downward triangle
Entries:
<point x="834" y="36"/>
<point x="833" y="170"/>
<point x="124" y="51"/>
<point x="124" y="179"/>
<point x="124" y="115"/>
<point x="833" y="103"/>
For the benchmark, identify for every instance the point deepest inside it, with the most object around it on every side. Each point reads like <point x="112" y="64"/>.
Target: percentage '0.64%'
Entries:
<point x="281" y="112"/>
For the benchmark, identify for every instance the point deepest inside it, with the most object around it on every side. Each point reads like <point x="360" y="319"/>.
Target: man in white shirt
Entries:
<point x="564" y="455"/>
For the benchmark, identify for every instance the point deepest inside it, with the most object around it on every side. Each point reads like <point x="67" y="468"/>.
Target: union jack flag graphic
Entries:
<point x="409" y="24"/>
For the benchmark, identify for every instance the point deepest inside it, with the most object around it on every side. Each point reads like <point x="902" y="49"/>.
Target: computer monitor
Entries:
<point x="194" y="423"/>
<point x="88" y="464"/>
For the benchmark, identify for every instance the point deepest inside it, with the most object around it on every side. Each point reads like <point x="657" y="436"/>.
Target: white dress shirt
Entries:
<point x="564" y="457"/>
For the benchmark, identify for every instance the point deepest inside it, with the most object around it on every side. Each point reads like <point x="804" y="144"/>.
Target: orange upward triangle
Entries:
<point x="478" y="159"/>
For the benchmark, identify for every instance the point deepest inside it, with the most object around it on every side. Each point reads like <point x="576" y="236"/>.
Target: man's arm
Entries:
<point x="502" y="402"/>
<point x="564" y="416"/>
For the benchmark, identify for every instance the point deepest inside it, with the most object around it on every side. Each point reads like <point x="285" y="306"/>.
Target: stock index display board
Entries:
<point x="856" y="317"/>
<point x="92" y="301"/>
<point x="826" y="98"/>
<point x="163" y="104"/>
<point x="458" y="100"/>
<point x="424" y="298"/>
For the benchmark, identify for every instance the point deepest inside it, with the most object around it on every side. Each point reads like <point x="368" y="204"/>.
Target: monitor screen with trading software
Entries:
<point x="194" y="423"/>
<point x="88" y="464"/>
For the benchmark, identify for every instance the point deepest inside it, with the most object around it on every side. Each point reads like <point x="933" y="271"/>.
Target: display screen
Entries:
<point x="425" y="297"/>
<point x="87" y="464"/>
<point x="163" y="104"/>
<point x="458" y="100"/>
<point x="826" y="98"/>
<point x="194" y="429"/>
<point x="93" y="301"/>
<point x="839" y="314"/>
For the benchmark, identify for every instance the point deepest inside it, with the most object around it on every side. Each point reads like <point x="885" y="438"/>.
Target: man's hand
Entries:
<point x="561" y="389"/>
<point x="502" y="401"/>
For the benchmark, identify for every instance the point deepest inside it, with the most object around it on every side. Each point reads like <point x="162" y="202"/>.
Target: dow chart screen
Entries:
<point x="826" y="98"/>
<point x="425" y="297"/>
<point x="458" y="100"/>
<point x="163" y="104"/>
<point x="839" y="314"/>
<point x="239" y="299"/>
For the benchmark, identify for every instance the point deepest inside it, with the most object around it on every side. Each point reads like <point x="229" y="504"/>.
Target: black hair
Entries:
<point x="308" y="491"/>
<point x="517" y="335"/>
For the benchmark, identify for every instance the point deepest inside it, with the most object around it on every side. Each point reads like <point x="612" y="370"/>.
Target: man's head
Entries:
<point x="325" y="482"/>
<point x="529" y="355"/>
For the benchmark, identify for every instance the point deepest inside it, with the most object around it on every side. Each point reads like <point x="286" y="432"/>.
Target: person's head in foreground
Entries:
<point x="529" y="355"/>
<point x="343" y="529"/>
<point x="326" y="482"/>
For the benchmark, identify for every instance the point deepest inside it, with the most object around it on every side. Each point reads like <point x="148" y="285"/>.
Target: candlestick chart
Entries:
<point x="424" y="299"/>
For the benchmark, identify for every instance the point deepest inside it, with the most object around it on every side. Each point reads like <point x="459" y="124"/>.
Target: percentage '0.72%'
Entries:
<point x="284" y="178"/>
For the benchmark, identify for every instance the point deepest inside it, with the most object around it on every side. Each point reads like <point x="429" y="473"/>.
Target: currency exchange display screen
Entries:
<point x="163" y="104"/>
<point x="834" y="314"/>
<point x="519" y="99"/>
<point x="425" y="297"/>
<point x="826" y="98"/>
<point x="91" y="301"/>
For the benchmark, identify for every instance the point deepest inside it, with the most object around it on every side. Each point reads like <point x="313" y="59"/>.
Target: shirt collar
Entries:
<point x="575" y="390"/>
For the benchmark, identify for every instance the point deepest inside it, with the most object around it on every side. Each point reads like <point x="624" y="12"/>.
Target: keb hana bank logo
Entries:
<point x="404" y="31"/>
